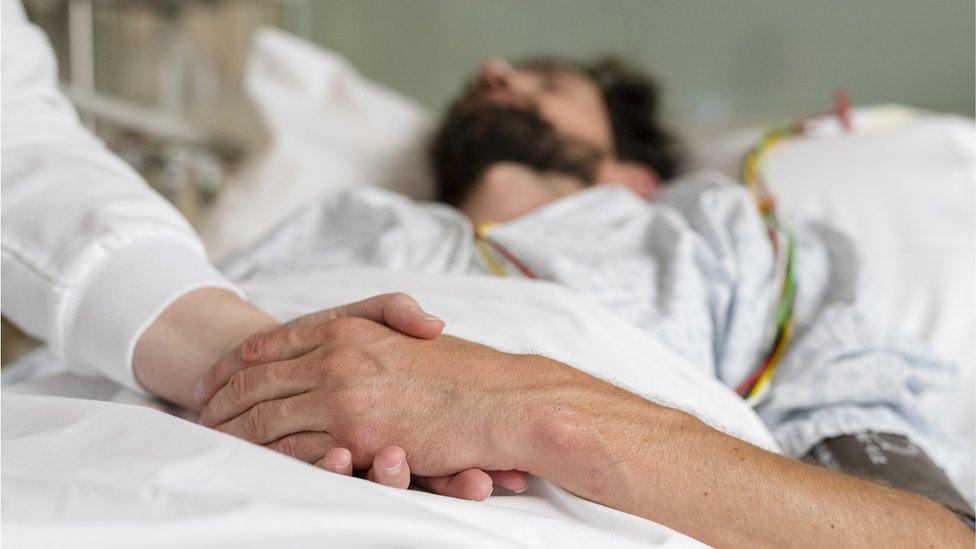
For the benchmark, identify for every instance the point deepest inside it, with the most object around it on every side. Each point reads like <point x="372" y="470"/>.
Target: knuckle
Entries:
<point x="343" y="358"/>
<point x="347" y="326"/>
<point x="311" y="369"/>
<point x="238" y="387"/>
<point x="255" y="422"/>
<point x="400" y="299"/>
<point x="294" y="339"/>
<point x="251" y="349"/>
<point x="323" y="331"/>
<point x="271" y="375"/>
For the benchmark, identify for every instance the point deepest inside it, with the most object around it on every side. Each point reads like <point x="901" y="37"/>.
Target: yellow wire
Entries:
<point x="497" y="268"/>
<point x="759" y="390"/>
<point x="750" y="176"/>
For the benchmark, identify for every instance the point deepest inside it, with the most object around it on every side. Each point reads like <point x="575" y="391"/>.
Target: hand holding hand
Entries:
<point x="278" y="365"/>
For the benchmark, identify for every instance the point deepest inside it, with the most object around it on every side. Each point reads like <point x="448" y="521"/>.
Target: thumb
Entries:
<point x="398" y="311"/>
<point x="405" y="315"/>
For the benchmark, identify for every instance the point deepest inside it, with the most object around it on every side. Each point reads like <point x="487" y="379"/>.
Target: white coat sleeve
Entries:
<point x="90" y="254"/>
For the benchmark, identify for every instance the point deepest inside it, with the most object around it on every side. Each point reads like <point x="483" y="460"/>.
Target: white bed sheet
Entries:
<point x="90" y="473"/>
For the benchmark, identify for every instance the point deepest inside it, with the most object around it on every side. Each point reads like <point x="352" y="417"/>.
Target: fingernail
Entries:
<point x="394" y="470"/>
<point x="199" y="393"/>
<point x="344" y="464"/>
<point x="522" y="489"/>
<point x="419" y="311"/>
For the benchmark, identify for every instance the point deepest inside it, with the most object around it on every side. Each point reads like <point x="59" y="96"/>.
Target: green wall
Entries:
<point x="719" y="61"/>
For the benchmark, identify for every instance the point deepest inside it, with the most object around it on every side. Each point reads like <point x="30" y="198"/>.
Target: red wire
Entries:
<point x="529" y="273"/>
<point x="842" y="108"/>
<point x="747" y="385"/>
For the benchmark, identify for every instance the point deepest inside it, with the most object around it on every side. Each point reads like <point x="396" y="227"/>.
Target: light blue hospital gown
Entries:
<point x="695" y="269"/>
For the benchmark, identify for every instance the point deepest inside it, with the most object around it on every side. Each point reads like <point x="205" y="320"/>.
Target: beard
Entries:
<point x="475" y="136"/>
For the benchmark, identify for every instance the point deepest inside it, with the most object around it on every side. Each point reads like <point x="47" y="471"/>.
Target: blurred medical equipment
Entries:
<point x="158" y="81"/>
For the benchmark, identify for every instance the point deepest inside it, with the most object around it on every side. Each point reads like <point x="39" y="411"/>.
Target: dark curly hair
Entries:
<point x="470" y="140"/>
<point x="633" y="101"/>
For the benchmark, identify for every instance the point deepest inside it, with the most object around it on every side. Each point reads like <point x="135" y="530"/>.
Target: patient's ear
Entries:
<point x="637" y="177"/>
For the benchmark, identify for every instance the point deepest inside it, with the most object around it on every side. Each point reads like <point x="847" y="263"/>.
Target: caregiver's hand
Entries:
<point x="356" y="384"/>
<point x="304" y="335"/>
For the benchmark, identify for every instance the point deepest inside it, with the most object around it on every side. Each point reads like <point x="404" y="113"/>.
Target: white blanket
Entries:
<point x="87" y="473"/>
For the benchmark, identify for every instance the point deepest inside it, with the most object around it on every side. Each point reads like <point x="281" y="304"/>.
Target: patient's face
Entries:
<point x="567" y="99"/>
<point x="526" y="136"/>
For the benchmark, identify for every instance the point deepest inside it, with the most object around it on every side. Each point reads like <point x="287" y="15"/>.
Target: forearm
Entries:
<point x="188" y="337"/>
<point x="612" y="447"/>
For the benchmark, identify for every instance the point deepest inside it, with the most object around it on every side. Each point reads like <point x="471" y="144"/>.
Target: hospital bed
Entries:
<point x="109" y="468"/>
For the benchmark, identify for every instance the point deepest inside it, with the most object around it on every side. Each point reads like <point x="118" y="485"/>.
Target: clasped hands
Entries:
<point x="373" y="386"/>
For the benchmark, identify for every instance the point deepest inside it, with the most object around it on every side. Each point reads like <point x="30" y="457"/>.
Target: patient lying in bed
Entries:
<point x="557" y="190"/>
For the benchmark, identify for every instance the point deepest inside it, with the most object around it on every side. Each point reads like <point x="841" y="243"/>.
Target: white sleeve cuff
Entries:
<point x="123" y="296"/>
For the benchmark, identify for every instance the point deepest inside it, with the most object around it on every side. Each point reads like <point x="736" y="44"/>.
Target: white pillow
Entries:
<point x="330" y="128"/>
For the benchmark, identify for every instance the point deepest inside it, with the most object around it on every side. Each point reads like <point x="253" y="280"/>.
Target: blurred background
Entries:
<point x="159" y="80"/>
<point x="167" y="73"/>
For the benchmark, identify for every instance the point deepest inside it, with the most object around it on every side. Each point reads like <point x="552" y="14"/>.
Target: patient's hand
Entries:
<point x="391" y="468"/>
<point x="283" y="347"/>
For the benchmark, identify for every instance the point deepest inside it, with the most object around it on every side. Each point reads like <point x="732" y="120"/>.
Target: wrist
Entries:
<point x="551" y="417"/>
<point x="562" y="433"/>
<point x="595" y="439"/>
<point x="189" y="336"/>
